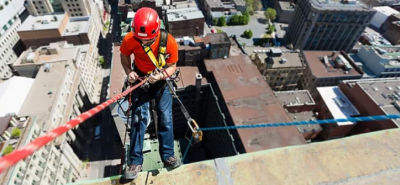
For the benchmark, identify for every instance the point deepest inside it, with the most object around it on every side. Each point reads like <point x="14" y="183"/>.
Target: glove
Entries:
<point x="155" y="76"/>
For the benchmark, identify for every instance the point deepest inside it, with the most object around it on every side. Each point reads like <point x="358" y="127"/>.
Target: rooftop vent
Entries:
<point x="389" y="88"/>
<point x="283" y="60"/>
<point x="47" y="67"/>
<point x="375" y="88"/>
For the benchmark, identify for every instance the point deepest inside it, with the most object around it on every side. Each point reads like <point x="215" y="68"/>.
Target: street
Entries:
<point x="104" y="153"/>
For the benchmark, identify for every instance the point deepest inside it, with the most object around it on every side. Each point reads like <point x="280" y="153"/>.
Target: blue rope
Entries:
<point x="314" y="122"/>
<point x="187" y="148"/>
<point x="296" y="123"/>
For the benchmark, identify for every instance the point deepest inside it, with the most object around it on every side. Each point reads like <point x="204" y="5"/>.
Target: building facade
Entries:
<point x="50" y="164"/>
<point x="39" y="7"/>
<point x="392" y="34"/>
<point x="43" y="30"/>
<point x="9" y="22"/>
<point x="282" y="71"/>
<point x="185" y="22"/>
<point x="331" y="103"/>
<point x="326" y="68"/>
<point x="330" y="25"/>
<point x="382" y="61"/>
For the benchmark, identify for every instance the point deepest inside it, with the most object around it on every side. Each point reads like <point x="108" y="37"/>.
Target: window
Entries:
<point x="10" y="22"/>
<point x="5" y="27"/>
<point x="81" y="14"/>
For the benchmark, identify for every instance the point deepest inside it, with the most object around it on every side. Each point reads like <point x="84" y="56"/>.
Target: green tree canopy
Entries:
<point x="222" y="21"/>
<point x="270" y="14"/>
<point x="16" y="132"/>
<point x="8" y="150"/>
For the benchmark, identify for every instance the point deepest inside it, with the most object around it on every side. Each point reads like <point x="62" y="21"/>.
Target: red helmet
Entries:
<point x="146" y="23"/>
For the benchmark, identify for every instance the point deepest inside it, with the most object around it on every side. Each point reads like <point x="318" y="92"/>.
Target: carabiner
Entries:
<point x="197" y="134"/>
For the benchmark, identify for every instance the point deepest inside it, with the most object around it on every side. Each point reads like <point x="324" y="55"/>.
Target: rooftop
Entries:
<point x="180" y="4"/>
<point x="239" y="2"/>
<point x="53" y="52"/>
<point x="280" y="28"/>
<point x="293" y="98"/>
<point x="387" y="10"/>
<point x="373" y="158"/>
<point x="337" y="103"/>
<point x="305" y="116"/>
<point x="46" y="90"/>
<point x="216" y="38"/>
<point x="321" y="68"/>
<point x="214" y="3"/>
<point x="184" y="14"/>
<point x="117" y="76"/>
<point x="374" y="38"/>
<point x="45" y="22"/>
<point x="13" y="93"/>
<point x="235" y="76"/>
<point x="187" y="75"/>
<point x="77" y="25"/>
<point x="339" y="5"/>
<point x="288" y="6"/>
<point x="392" y="54"/>
<point x="281" y="58"/>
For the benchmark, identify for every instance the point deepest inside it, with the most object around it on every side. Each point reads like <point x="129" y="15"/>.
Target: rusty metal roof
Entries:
<point x="251" y="101"/>
<point x="363" y="159"/>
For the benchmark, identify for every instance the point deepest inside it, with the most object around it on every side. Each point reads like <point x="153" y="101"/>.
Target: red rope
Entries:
<point x="21" y="153"/>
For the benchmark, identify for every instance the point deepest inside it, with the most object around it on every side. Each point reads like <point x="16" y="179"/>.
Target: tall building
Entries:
<point x="282" y="70"/>
<point x="9" y="24"/>
<point x="85" y="57"/>
<point x="49" y="165"/>
<point x="94" y="8"/>
<point x="39" y="7"/>
<point x="328" y="25"/>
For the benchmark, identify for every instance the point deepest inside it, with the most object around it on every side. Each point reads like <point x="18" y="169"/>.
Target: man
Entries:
<point x="146" y="32"/>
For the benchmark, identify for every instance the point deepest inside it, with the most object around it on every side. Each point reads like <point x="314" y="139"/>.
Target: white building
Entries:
<point x="95" y="8"/>
<point x="382" y="61"/>
<point x="47" y="166"/>
<point x="84" y="56"/>
<point x="382" y="13"/>
<point x="9" y="22"/>
<point x="13" y="93"/>
<point x="39" y="7"/>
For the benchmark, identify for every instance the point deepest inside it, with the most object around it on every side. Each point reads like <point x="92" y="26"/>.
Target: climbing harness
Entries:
<point x="171" y="81"/>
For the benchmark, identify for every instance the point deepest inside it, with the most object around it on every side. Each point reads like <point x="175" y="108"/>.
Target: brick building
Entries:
<point x="185" y="22"/>
<point x="331" y="103"/>
<point x="373" y="97"/>
<point x="300" y="106"/>
<point x="282" y="70"/>
<point x="327" y="68"/>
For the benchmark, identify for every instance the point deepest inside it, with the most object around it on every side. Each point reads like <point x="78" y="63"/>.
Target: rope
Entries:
<point x="187" y="148"/>
<point x="296" y="123"/>
<point x="21" y="153"/>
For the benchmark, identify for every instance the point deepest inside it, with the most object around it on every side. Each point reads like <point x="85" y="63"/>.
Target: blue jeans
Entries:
<point x="140" y="105"/>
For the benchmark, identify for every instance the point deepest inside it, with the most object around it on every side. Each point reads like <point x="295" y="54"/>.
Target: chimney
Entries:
<point x="333" y="54"/>
<point x="199" y="77"/>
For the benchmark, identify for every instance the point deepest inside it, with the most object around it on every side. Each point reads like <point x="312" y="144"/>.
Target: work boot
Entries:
<point x="132" y="171"/>
<point x="172" y="163"/>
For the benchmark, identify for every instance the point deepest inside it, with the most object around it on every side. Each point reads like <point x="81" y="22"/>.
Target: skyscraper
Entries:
<point x="328" y="24"/>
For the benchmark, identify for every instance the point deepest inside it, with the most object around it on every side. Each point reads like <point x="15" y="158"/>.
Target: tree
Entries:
<point x="270" y="14"/>
<point x="247" y="34"/>
<point x="101" y="60"/>
<point x="250" y="34"/>
<point x="222" y="21"/>
<point x="16" y="132"/>
<point x="215" y="21"/>
<point x="8" y="150"/>
<point x="235" y="20"/>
